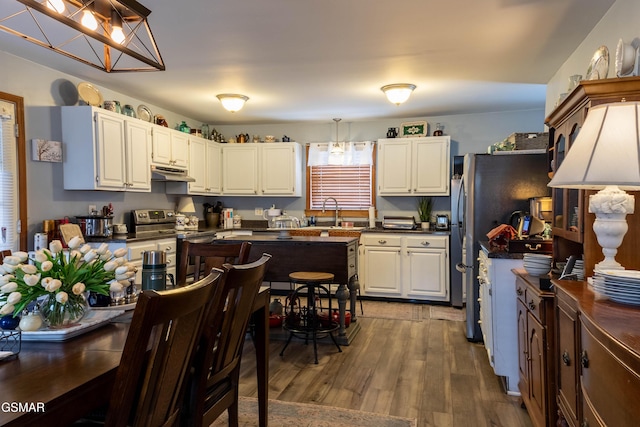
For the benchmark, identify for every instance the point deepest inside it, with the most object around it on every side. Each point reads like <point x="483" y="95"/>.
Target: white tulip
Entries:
<point x="41" y="256"/>
<point x="2" y="270"/>
<point x="29" y="268"/>
<point x="55" y="247"/>
<point x="78" y="288"/>
<point x="6" y="278"/>
<point x="22" y="255"/>
<point x="8" y="287"/>
<point x="62" y="297"/>
<point x="31" y="279"/>
<point x="122" y="269"/>
<point x="102" y="248"/>
<point x="75" y="242"/>
<point x="115" y="286"/>
<point x="85" y="248"/>
<point x="75" y="254"/>
<point x="120" y="260"/>
<point x="14" y="297"/>
<point x="46" y="266"/>
<point x="110" y="266"/>
<point x="125" y="276"/>
<point x="106" y="256"/>
<point x="13" y="260"/>
<point x="50" y="284"/>
<point x="90" y="256"/>
<point x="120" y="252"/>
<point x="9" y="268"/>
<point x="7" y="309"/>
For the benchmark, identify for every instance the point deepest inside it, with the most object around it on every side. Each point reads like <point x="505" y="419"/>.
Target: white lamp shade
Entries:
<point x="606" y="150"/>
<point x="185" y="205"/>
<point x="398" y="93"/>
<point x="232" y="102"/>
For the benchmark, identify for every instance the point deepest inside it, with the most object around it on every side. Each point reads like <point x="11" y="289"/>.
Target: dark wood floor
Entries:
<point x="420" y="369"/>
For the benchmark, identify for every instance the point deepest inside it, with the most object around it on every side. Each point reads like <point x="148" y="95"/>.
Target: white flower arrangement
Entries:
<point x="64" y="278"/>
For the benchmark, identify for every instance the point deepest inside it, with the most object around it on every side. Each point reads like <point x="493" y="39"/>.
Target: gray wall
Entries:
<point x="43" y="89"/>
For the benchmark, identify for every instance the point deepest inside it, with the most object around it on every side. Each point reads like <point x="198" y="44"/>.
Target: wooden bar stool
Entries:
<point x="305" y="321"/>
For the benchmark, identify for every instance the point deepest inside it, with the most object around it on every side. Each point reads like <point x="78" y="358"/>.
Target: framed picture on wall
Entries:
<point x="46" y="151"/>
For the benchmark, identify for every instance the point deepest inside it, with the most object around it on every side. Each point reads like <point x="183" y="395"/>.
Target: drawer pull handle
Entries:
<point x="519" y="291"/>
<point x="584" y="359"/>
<point x="566" y="360"/>
<point x="425" y="243"/>
<point x="382" y="242"/>
<point x="531" y="247"/>
<point x="532" y="305"/>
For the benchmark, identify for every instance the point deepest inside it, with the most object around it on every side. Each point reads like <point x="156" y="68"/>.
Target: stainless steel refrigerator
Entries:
<point x="494" y="186"/>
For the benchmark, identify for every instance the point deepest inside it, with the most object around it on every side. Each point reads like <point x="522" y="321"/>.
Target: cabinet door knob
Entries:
<point x="519" y="291"/>
<point x="566" y="360"/>
<point x="532" y="305"/>
<point x="584" y="359"/>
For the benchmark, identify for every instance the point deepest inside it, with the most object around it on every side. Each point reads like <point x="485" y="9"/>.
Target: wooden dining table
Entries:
<point x="55" y="383"/>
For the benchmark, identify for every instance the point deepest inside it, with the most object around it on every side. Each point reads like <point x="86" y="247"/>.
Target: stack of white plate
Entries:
<point x="578" y="269"/>
<point x="621" y="286"/>
<point x="537" y="264"/>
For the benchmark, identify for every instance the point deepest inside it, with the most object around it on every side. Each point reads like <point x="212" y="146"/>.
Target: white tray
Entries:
<point x="94" y="319"/>
<point x="123" y="307"/>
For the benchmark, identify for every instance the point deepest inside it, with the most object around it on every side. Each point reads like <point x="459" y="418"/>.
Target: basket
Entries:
<point x="530" y="140"/>
<point x="10" y="341"/>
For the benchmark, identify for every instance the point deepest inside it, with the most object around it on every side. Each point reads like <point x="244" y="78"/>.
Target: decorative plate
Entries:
<point x="144" y="113"/>
<point x="413" y="129"/>
<point x="90" y="94"/>
<point x="625" y="59"/>
<point x="599" y="65"/>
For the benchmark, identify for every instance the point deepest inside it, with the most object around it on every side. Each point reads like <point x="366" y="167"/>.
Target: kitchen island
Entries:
<point x="336" y="255"/>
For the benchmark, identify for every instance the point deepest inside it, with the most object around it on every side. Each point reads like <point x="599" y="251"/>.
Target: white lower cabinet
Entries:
<point x="138" y="248"/>
<point x="498" y="316"/>
<point x="405" y="266"/>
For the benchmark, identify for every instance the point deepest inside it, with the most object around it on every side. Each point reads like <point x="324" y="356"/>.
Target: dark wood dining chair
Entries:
<point x="165" y="330"/>
<point x="197" y="259"/>
<point x="214" y="383"/>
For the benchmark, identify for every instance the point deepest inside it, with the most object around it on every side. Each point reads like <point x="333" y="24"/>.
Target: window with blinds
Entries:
<point x="344" y="171"/>
<point x="8" y="178"/>
<point x="351" y="186"/>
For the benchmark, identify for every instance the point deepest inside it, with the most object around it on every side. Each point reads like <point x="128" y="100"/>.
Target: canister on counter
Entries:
<point x="40" y="241"/>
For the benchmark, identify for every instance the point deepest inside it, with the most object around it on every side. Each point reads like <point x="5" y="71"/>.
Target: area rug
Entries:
<point x="291" y="414"/>
<point x="410" y="311"/>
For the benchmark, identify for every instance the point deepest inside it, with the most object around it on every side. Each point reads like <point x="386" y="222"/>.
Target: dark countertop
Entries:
<point x="204" y="232"/>
<point x="273" y="237"/>
<point x="491" y="253"/>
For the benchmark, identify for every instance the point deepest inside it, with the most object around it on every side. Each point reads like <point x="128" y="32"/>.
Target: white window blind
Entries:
<point x="8" y="178"/>
<point x="341" y="170"/>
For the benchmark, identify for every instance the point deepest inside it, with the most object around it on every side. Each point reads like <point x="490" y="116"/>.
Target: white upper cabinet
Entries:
<point x="261" y="169"/>
<point x="205" y="165"/>
<point x="170" y="147"/>
<point x="281" y="169"/>
<point x="104" y="150"/>
<point x="414" y="166"/>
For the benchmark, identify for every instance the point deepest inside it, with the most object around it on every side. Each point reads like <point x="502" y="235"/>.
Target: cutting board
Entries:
<point x="69" y="231"/>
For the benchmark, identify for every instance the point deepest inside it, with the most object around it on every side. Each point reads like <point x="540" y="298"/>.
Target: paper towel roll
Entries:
<point x="372" y="217"/>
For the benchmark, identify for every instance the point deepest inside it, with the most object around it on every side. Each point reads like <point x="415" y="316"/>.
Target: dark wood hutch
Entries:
<point x="572" y="223"/>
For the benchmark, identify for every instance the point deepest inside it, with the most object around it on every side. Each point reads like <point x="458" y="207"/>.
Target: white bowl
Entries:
<point x="537" y="271"/>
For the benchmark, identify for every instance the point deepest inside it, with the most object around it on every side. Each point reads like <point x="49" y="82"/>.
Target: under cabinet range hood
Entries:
<point x="165" y="173"/>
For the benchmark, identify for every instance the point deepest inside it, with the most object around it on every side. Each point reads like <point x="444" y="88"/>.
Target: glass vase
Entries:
<point x="61" y="315"/>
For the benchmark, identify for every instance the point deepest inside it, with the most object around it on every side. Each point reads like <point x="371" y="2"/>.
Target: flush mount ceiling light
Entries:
<point x="398" y="93"/>
<point x="232" y="101"/>
<point x="110" y="35"/>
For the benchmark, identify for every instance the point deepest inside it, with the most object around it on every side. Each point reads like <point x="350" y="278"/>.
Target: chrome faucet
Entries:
<point x="337" y="208"/>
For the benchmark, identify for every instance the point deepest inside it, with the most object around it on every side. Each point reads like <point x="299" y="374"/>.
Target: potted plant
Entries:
<point x="425" y="206"/>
